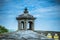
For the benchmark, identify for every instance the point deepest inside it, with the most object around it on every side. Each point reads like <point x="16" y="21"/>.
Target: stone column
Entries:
<point x="25" y="25"/>
<point x="19" y="25"/>
<point x="32" y="27"/>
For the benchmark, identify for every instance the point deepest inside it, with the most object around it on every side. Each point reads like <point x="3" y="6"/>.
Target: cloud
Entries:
<point x="37" y="15"/>
<point x="48" y="12"/>
<point x="43" y="24"/>
<point x="47" y="9"/>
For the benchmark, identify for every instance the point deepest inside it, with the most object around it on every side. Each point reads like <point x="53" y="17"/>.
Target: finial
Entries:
<point x="25" y="10"/>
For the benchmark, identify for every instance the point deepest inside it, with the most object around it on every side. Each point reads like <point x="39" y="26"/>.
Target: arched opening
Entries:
<point x="30" y="25"/>
<point x="22" y="23"/>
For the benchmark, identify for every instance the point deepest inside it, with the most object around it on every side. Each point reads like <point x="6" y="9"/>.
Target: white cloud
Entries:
<point x="47" y="12"/>
<point x="47" y="9"/>
<point x="36" y="15"/>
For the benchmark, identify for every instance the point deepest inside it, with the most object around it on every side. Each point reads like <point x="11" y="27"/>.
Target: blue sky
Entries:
<point x="47" y="13"/>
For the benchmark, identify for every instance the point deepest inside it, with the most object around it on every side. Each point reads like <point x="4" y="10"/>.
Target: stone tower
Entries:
<point x="24" y="19"/>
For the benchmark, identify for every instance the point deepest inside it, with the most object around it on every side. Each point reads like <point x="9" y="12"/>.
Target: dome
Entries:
<point x="28" y="35"/>
<point x="24" y="35"/>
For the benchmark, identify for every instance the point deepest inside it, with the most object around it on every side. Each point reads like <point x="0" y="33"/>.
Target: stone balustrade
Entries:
<point x="50" y="34"/>
<point x="56" y="36"/>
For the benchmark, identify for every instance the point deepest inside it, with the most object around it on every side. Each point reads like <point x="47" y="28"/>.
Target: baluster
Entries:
<point x="56" y="37"/>
<point x="49" y="35"/>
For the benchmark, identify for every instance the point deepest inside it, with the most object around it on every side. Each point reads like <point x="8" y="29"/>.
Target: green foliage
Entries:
<point x="3" y="29"/>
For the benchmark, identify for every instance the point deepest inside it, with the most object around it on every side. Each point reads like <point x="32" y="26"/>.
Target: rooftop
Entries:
<point x="25" y="15"/>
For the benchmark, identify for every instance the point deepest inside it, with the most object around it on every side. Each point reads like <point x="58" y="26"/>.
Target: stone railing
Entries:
<point x="50" y="34"/>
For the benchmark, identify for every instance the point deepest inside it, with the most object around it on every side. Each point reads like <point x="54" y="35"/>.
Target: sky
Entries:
<point x="47" y="13"/>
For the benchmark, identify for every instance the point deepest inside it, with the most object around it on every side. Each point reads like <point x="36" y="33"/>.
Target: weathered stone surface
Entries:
<point x="24" y="35"/>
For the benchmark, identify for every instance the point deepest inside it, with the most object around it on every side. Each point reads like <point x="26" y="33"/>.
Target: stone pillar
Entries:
<point x="56" y="37"/>
<point x="32" y="27"/>
<point x="19" y="25"/>
<point x="25" y="25"/>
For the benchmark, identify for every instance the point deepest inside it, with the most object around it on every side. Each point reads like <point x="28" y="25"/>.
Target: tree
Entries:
<point x="3" y="29"/>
